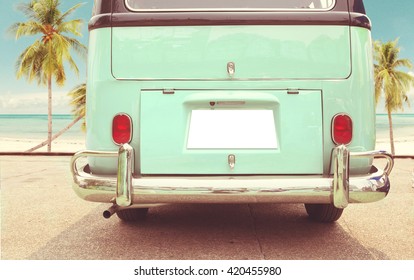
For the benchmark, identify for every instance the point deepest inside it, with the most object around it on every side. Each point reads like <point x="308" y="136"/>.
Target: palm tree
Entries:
<point x="44" y="59"/>
<point x="78" y="95"/>
<point x="389" y="80"/>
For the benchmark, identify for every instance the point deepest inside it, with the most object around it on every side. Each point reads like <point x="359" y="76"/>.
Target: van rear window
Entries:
<point x="228" y="5"/>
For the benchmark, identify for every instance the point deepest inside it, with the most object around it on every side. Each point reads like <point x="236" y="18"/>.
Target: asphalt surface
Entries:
<point x="42" y="218"/>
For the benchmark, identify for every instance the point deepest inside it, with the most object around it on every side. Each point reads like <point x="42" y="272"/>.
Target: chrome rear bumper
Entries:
<point x="126" y="190"/>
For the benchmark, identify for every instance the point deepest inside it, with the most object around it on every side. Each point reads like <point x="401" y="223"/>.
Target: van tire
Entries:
<point x="325" y="213"/>
<point x="132" y="214"/>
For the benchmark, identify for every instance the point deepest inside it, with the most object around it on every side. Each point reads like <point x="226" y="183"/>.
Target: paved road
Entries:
<point x="41" y="218"/>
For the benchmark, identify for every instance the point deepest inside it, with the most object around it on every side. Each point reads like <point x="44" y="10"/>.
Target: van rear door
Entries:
<point x="231" y="132"/>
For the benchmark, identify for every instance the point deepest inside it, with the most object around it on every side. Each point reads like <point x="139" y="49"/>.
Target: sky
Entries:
<point x="390" y="20"/>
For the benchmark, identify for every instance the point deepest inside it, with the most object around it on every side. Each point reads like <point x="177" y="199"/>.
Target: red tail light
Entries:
<point x="122" y="129"/>
<point x="342" y="129"/>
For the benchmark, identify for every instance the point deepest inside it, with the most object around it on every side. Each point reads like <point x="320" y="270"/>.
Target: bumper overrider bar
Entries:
<point x="127" y="190"/>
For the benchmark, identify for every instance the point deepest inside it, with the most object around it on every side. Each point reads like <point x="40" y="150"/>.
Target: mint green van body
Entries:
<point x="230" y="105"/>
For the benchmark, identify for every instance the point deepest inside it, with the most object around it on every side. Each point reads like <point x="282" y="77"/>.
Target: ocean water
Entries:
<point x="403" y="126"/>
<point x="35" y="126"/>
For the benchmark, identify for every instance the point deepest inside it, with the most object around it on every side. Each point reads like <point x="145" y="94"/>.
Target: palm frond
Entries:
<point x="402" y="63"/>
<point x="74" y="27"/>
<point x="29" y="63"/>
<point x="47" y="11"/>
<point x="67" y="13"/>
<point x="78" y="47"/>
<point x="78" y="102"/>
<point x="29" y="28"/>
<point x="27" y="9"/>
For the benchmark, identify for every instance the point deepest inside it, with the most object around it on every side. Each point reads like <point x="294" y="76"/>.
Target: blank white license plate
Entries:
<point x="232" y="129"/>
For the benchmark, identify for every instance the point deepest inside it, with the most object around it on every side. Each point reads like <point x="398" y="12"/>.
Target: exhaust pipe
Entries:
<point x="110" y="211"/>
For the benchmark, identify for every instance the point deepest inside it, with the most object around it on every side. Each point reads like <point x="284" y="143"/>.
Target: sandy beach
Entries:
<point x="22" y="145"/>
<point x="403" y="141"/>
<point x="403" y="147"/>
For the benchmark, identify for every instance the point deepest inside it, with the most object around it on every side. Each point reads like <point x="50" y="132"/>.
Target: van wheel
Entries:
<point x="325" y="213"/>
<point x="132" y="214"/>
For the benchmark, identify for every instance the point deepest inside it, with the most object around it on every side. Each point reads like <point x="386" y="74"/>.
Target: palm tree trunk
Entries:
<point x="391" y="133"/>
<point x="49" y="113"/>
<point x="55" y="136"/>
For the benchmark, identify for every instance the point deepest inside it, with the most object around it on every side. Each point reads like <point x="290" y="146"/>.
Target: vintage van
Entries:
<point x="230" y="101"/>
